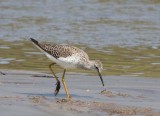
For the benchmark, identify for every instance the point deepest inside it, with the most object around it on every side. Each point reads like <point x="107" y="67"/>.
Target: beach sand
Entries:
<point x="30" y="93"/>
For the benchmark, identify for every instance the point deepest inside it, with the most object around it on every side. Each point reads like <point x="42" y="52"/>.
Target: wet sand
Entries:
<point x="30" y="93"/>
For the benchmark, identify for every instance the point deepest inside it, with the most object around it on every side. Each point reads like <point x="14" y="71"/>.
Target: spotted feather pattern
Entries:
<point x="77" y="55"/>
<point x="53" y="50"/>
<point x="58" y="51"/>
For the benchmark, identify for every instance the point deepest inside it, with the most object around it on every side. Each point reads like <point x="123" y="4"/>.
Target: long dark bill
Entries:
<point x="100" y="76"/>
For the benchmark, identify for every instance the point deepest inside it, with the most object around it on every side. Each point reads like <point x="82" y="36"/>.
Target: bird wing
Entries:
<point x="55" y="50"/>
<point x="64" y="53"/>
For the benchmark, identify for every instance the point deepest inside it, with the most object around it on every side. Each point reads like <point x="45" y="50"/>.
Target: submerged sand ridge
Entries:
<point x="32" y="93"/>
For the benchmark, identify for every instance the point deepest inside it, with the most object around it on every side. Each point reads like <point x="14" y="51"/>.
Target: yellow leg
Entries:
<point x="58" y="82"/>
<point x="50" y="67"/>
<point x="64" y="84"/>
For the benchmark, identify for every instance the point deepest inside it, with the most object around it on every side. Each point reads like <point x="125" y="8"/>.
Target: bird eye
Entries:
<point x="96" y="67"/>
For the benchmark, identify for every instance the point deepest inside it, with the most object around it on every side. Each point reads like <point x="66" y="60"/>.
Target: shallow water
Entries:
<point x="124" y="34"/>
<point x="21" y="93"/>
<point x="95" y="23"/>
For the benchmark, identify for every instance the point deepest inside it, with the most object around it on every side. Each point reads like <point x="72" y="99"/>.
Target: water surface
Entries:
<point x="96" y="23"/>
<point x="123" y="34"/>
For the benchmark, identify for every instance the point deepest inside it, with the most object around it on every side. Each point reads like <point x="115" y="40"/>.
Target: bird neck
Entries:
<point x="91" y="64"/>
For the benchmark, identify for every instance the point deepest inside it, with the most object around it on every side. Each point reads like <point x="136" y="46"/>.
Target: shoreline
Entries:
<point x="21" y="93"/>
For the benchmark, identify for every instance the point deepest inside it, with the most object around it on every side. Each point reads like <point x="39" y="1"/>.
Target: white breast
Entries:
<point x="68" y="62"/>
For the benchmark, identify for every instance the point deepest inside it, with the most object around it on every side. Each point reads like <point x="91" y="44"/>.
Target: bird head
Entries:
<point x="98" y="66"/>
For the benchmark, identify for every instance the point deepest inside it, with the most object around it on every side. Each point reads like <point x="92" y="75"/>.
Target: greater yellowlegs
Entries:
<point x="67" y="57"/>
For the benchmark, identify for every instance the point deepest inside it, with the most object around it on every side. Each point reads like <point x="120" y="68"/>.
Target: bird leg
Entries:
<point x="58" y="82"/>
<point x="64" y="85"/>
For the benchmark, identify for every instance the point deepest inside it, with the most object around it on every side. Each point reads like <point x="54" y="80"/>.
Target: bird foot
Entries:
<point x="57" y="88"/>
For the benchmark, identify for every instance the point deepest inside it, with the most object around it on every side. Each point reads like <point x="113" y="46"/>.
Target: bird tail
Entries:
<point x="37" y="44"/>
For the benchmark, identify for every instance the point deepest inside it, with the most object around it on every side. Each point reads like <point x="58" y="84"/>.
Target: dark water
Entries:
<point x="124" y="34"/>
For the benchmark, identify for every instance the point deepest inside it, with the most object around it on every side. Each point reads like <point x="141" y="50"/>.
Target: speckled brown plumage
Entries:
<point x="64" y="51"/>
<point x="57" y="50"/>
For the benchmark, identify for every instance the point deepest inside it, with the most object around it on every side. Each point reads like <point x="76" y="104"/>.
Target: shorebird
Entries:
<point x="67" y="57"/>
